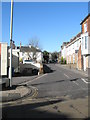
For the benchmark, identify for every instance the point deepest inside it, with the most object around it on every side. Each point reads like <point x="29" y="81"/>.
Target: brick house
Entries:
<point x="85" y="42"/>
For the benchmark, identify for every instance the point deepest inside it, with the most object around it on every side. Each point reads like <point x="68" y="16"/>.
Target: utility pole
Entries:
<point x="11" y="29"/>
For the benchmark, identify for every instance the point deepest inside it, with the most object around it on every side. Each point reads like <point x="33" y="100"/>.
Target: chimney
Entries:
<point x="13" y="43"/>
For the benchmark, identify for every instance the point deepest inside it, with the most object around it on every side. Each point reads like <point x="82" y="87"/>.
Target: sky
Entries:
<point x="52" y="23"/>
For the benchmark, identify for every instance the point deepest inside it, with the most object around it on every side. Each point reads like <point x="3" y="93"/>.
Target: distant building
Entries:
<point x="85" y="42"/>
<point x="59" y="57"/>
<point x="30" y="53"/>
<point x="63" y="50"/>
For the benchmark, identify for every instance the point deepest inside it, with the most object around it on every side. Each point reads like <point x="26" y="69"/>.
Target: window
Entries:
<point x="85" y="27"/>
<point x="73" y="59"/>
<point x="82" y="42"/>
<point x="85" y="42"/>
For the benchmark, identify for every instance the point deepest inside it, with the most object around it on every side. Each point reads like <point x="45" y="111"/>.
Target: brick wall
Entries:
<point x="87" y="62"/>
<point x="88" y="25"/>
<point x="79" y="59"/>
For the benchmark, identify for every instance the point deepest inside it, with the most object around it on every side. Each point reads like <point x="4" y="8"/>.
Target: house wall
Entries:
<point x="79" y="59"/>
<point x="64" y="52"/>
<point x="39" y="56"/>
<point x="71" y="48"/>
<point x="3" y="59"/>
<point x="26" y="56"/>
<point x="88" y="25"/>
<point x="85" y="52"/>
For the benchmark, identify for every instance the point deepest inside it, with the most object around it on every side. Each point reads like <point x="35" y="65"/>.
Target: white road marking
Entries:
<point x="67" y="76"/>
<point x="84" y="80"/>
<point x="35" y="79"/>
<point x="76" y="83"/>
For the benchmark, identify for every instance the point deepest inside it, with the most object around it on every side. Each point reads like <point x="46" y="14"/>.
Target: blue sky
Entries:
<point x="51" y="22"/>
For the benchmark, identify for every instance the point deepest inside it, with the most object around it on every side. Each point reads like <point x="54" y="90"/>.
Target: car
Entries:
<point x="28" y="61"/>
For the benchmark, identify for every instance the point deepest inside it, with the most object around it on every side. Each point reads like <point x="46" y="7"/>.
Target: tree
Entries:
<point x="34" y="41"/>
<point x="61" y="60"/>
<point x="65" y="61"/>
<point x="46" y="56"/>
<point x="54" y="56"/>
<point x="35" y="45"/>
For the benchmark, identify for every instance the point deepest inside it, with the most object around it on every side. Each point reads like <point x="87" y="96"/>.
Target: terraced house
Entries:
<point x="85" y="42"/>
<point x="64" y="50"/>
<point x="72" y="50"/>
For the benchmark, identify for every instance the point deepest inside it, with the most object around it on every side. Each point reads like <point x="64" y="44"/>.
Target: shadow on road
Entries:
<point x="53" y="82"/>
<point x="33" y="110"/>
<point x="47" y="69"/>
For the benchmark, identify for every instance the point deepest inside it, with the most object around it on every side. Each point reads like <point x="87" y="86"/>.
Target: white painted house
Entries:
<point x="72" y="49"/>
<point x="64" y="50"/>
<point x="30" y="53"/>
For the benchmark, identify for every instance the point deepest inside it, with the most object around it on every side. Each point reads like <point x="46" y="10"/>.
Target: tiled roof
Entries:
<point x="72" y="40"/>
<point x="29" y="49"/>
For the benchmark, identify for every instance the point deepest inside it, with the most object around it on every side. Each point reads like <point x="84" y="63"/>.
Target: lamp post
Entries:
<point x="11" y="29"/>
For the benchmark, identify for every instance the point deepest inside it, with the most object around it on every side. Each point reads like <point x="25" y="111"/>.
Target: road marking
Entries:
<point x="67" y="76"/>
<point x="84" y="80"/>
<point x="66" y="68"/>
<point x="35" y="79"/>
<point x="75" y="83"/>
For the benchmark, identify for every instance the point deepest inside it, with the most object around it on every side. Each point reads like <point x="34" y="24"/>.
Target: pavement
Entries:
<point x="60" y="93"/>
<point x="18" y="90"/>
<point x="85" y="73"/>
<point x="14" y="93"/>
<point x="60" y="107"/>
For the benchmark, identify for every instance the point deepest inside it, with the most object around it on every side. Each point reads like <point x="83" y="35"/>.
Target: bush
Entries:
<point x="61" y="60"/>
<point x="65" y="61"/>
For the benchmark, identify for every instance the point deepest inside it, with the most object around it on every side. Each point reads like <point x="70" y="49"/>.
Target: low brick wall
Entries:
<point x="72" y="66"/>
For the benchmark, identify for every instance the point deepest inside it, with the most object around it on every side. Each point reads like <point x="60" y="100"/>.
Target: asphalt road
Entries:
<point x="61" y="82"/>
<point x="62" y="93"/>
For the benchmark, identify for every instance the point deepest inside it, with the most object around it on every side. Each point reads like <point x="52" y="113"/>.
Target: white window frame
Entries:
<point x="85" y="27"/>
<point x="86" y="38"/>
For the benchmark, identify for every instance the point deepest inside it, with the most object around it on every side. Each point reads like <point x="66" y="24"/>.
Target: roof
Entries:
<point x="72" y="40"/>
<point x="29" y="49"/>
<point x="85" y="18"/>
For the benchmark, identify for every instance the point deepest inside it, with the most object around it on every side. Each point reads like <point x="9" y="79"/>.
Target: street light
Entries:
<point x="11" y="28"/>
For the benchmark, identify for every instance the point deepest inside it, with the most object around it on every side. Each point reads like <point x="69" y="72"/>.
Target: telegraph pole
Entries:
<point x="11" y="30"/>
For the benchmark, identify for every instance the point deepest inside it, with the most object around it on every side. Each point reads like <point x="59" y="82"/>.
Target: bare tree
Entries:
<point x="34" y="42"/>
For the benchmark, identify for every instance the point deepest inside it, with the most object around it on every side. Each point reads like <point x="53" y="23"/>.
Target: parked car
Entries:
<point x="28" y="61"/>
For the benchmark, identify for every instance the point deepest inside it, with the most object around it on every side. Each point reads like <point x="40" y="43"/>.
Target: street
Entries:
<point x="61" y="82"/>
<point x="61" y="93"/>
